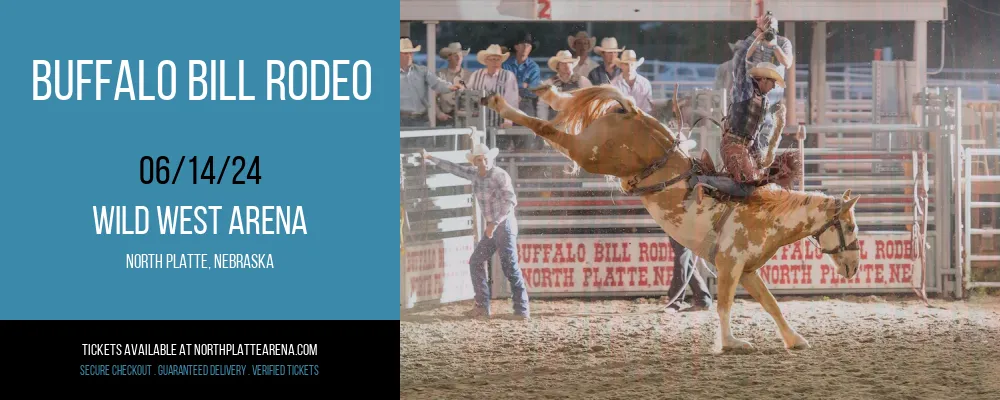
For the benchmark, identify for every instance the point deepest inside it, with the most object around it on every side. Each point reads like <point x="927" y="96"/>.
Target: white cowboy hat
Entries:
<point x="453" y="48"/>
<point x="581" y="35"/>
<point x="482" y="150"/>
<point x="563" y="56"/>
<point x="768" y="70"/>
<point x="628" y="57"/>
<point x="608" y="44"/>
<point x="493" y="50"/>
<point x="406" y="46"/>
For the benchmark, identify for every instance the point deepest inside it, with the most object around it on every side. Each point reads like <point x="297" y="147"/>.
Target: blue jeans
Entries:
<point x="683" y="264"/>
<point x="725" y="184"/>
<point x="505" y="240"/>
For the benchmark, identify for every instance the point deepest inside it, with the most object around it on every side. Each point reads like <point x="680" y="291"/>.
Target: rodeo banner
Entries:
<point x="190" y="194"/>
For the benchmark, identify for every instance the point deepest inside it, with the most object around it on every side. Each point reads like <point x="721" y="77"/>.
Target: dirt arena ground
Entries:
<point x="862" y="348"/>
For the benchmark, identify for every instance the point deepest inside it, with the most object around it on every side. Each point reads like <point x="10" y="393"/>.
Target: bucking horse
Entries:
<point x="603" y="132"/>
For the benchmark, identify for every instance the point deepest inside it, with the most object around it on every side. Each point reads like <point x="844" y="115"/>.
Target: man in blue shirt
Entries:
<point x="527" y="71"/>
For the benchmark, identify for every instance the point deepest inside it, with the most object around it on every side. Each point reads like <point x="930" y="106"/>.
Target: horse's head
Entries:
<point x="838" y="237"/>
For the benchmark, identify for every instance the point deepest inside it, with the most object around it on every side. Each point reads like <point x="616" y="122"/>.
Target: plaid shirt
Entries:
<point x="495" y="191"/>
<point x="746" y="111"/>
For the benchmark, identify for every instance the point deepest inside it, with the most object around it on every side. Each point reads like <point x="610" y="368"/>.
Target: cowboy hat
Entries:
<point x="525" y="37"/>
<point x="406" y="46"/>
<point x="481" y="149"/>
<point x="493" y="50"/>
<point x="768" y="70"/>
<point x="628" y="57"/>
<point x="563" y="56"/>
<point x="581" y="35"/>
<point x="454" y="47"/>
<point x="608" y="44"/>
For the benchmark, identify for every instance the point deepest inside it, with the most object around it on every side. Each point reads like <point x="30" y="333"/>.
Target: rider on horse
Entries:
<point x="747" y="148"/>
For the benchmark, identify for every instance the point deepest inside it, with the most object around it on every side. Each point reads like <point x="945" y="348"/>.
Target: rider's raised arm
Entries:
<point x="742" y="84"/>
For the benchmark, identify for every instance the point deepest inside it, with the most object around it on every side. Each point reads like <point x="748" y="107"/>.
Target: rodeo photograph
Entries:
<point x="699" y="199"/>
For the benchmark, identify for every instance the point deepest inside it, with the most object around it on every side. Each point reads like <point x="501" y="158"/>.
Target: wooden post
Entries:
<point x="817" y="75"/>
<point x="791" y="119"/>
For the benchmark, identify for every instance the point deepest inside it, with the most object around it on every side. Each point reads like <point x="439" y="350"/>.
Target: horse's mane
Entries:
<point x="776" y="200"/>
<point x="588" y="104"/>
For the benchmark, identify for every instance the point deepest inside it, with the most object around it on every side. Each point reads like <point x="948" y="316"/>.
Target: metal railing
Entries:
<point x="438" y="217"/>
<point x="982" y="194"/>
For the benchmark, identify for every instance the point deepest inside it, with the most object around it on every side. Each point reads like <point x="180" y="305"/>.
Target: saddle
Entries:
<point x="785" y="170"/>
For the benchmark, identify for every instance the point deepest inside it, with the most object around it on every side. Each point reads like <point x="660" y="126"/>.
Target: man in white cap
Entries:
<point x="492" y="187"/>
<point x="414" y="83"/>
<point x="633" y="84"/>
<point x="582" y="44"/>
<point x="455" y="74"/>
<point x="565" y="79"/>
<point x="606" y="70"/>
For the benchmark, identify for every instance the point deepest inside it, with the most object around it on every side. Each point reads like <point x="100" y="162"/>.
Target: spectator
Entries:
<point x="564" y="80"/>
<point x="527" y="72"/>
<point x="414" y="83"/>
<point x="495" y="79"/>
<point x="606" y="70"/>
<point x="581" y="44"/>
<point x="683" y="265"/>
<point x="631" y="83"/>
<point x="456" y="74"/>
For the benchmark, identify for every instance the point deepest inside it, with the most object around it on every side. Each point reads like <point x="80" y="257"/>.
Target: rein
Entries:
<point x="835" y="222"/>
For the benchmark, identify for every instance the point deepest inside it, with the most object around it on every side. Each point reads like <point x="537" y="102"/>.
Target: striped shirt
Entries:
<point x="502" y="82"/>
<point x="495" y="191"/>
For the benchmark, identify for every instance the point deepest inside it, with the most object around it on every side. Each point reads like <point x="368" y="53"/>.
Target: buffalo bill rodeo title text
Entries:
<point x="205" y="80"/>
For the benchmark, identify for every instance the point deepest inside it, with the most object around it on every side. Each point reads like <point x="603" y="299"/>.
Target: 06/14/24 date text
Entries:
<point x="162" y="171"/>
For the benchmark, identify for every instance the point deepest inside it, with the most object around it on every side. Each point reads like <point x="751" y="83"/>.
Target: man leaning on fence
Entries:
<point x="414" y="83"/>
<point x="494" y="190"/>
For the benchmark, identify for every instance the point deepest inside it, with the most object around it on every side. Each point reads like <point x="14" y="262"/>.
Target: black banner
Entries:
<point x="116" y="352"/>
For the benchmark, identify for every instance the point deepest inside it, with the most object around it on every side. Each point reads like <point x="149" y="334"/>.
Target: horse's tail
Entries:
<point x="590" y="103"/>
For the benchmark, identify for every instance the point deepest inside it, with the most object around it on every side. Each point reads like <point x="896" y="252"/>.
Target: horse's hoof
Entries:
<point x="800" y="346"/>
<point x="495" y="102"/>
<point x="798" y="343"/>
<point x="737" y="346"/>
